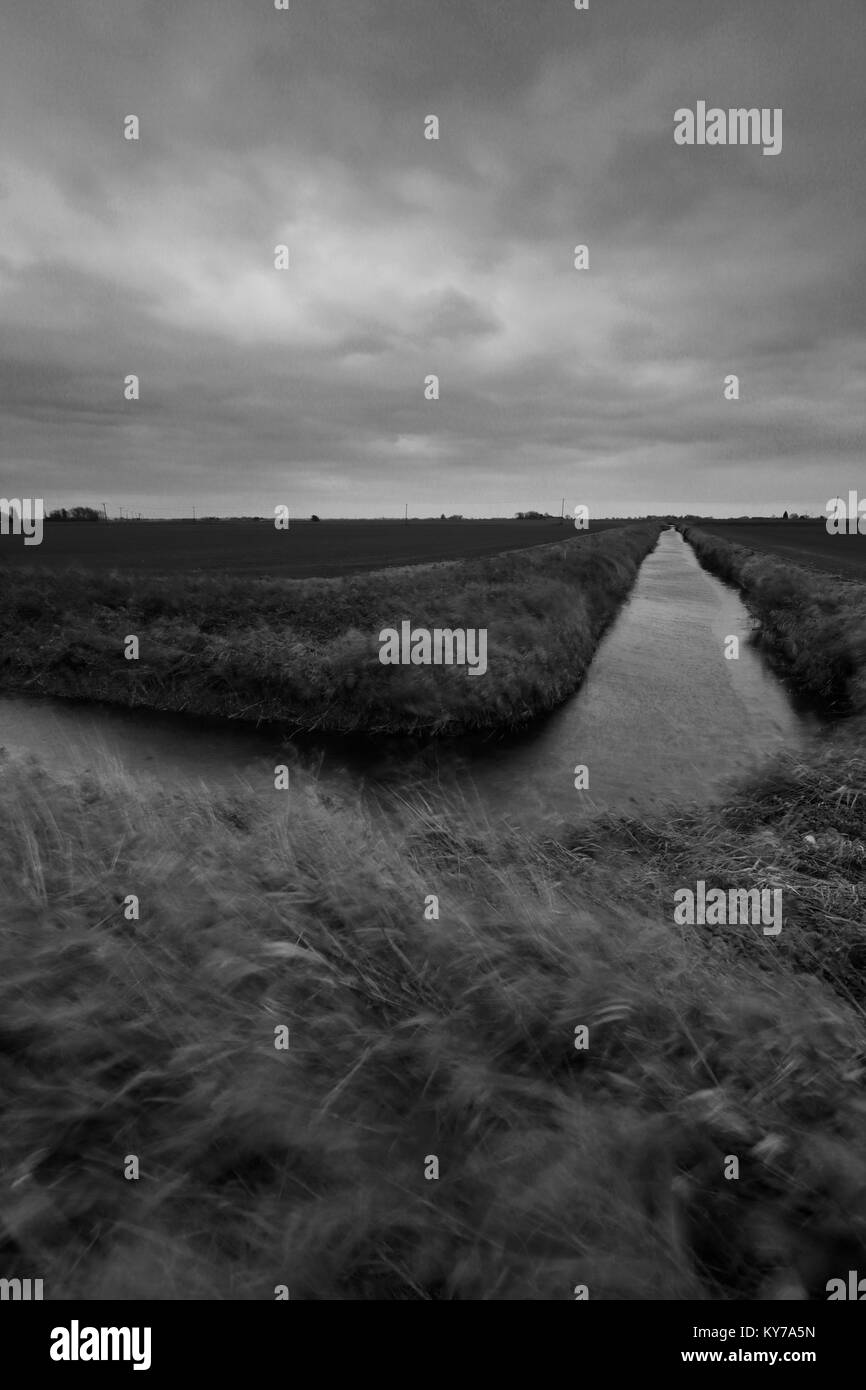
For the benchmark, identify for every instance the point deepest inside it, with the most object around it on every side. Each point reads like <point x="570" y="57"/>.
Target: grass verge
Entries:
<point x="305" y="653"/>
<point x="813" y="626"/>
<point x="410" y="1038"/>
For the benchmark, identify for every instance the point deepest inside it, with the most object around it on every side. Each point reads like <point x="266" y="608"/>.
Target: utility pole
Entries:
<point x="406" y="515"/>
<point x="562" y="514"/>
<point x="193" y="511"/>
<point x="104" y="513"/>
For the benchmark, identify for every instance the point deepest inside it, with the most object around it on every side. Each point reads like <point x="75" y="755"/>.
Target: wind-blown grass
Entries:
<point x="813" y="626"/>
<point x="305" y="653"/>
<point x="411" y="1038"/>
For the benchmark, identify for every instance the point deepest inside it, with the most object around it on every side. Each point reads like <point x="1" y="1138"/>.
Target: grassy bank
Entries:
<point x="813" y="626"/>
<point x="804" y="543"/>
<point x="305" y="653"/>
<point x="411" y="1038"/>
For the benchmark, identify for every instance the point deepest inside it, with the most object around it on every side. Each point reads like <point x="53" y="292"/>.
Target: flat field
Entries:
<point x="806" y="542"/>
<point x="323" y="549"/>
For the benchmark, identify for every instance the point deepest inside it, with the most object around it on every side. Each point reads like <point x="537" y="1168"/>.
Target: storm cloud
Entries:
<point x="410" y="257"/>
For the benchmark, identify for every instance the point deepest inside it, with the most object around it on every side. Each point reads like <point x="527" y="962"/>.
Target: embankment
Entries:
<point x="305" y="653"/>
<point x="812" y="626"/>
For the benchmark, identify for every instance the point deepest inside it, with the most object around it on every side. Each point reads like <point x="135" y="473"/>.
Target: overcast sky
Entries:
<point x="411" y="257"/>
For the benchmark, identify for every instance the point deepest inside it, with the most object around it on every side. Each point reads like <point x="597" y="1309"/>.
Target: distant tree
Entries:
<point x="314" y="517"/>
<point x="75" y="514"/>
<point x="784" y="516"/>
<point x="442" y="517"/>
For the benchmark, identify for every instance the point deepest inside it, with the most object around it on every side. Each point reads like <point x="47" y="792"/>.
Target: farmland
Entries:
<point x="324" y="549"/>
<point x="303" y="651"/>
<point x="804" y="542"/>
<point x="453" y="1035"/>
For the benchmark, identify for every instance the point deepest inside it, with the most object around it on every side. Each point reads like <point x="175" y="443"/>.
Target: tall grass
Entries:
<point x="411" y="1038"/>
<point x="305" y="653"/>
<point x="813" y="626"/>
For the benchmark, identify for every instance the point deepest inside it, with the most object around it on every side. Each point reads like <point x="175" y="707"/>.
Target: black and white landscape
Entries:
<point x="433" y="655"/>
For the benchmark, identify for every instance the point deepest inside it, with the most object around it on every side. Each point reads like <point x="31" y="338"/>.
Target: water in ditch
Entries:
<point x="664" y="716"/>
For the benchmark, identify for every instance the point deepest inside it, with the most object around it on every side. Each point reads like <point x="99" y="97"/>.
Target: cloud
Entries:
<point x="411" y="256"/>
